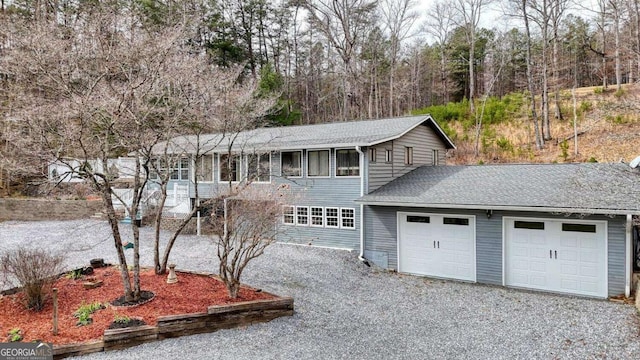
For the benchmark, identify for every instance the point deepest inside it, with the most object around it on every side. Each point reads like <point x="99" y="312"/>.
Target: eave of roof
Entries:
<point x="558" y="210"/>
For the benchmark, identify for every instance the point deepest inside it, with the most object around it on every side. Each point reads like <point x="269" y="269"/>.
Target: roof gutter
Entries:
<point x="362" y="174"/>
<point x="503" y="207"/>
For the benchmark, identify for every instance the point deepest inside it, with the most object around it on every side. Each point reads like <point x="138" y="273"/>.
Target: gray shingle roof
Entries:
<point x="576" y="188"/>
<point x="339" y="134"/>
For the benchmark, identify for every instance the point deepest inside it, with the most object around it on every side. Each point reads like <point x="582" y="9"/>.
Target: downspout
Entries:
<point x="629" y="257"/>
<point x="362" y="175"/>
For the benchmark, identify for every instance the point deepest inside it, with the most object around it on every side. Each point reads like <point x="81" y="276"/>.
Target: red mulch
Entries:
<point x="191" y="294"/>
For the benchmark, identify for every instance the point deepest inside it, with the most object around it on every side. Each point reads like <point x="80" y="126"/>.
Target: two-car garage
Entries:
<point x="557" y="255"/>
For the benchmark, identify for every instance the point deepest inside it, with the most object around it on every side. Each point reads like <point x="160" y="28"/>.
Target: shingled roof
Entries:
<point x="568" y="188"/>
<point x="338" y="134"/>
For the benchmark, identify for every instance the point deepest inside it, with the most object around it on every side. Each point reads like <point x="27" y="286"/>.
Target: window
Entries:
<point x="291" y="162"/>
<point x="331" y="217"/>
<point x="259" y="167"/>
<point x="455" y="221"/>
<point x="205" y="168"/>
<point x="317" y="216"/>
<point x="388" y="155"/>
<point x="318" y="163"/>
<point x="587" y="228"/>
<point x="532" y="225"/>
<point x="302" y="215"/>
<point x="347" y="163"/>
<point x="435" y="161"/>
<point x="348" y="218"/>
<point x="229" y="168"/>
<point x="288" y="216"/>
<point x="418" y="219"/>
<point x="408" y="155"/>
<point x="373" y="156"/>
<point x="180" y="169"/>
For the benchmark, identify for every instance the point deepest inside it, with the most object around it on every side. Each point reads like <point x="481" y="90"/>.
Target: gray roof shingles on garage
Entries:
<point x="337" y="134"/>
<point x="571" y="188"/>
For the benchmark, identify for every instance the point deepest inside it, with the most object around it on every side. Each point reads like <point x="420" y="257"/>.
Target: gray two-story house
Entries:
<point x="376" y="186"/>
<point x="328" y="167"/>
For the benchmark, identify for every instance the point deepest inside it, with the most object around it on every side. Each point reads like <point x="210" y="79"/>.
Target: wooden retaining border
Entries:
<point x="216" y="318"/>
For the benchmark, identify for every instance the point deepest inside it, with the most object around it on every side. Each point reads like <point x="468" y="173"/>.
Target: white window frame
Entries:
<point x="335" y="156"/>
<point x="435" y="157"/>
<point x="219" y="176"/>
<point x="301" y="164"/>
<point x="259" y="155"/>
<point x="337" y="217"/>
<point x="298" y="215"/>
<point x="328" y="160"/>
<point x="408" y="155"/>
<point x="312" y="216"/>
<point x="292" y="214"/>
<point x="352" y="218"/>
<point x="373" y="155"/>
<point x="197" y="167"/>
<point x="178" y="169"/>
<point x="388" y="156"/>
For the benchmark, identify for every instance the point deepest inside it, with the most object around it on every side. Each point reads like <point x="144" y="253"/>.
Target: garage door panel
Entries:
<point x="453" y="255"/>
<point x="576" y="264"/>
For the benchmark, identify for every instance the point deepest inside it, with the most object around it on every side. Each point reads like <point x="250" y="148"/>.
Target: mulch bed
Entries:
<point x="191" y="294"/>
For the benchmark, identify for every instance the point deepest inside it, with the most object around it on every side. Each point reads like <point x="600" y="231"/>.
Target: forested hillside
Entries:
<point x="607" y="124"/>
<point x="339" y="60"/>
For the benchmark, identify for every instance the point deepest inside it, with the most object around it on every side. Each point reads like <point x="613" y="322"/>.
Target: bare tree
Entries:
<point x="467" y="17"/>
<point x="342" y="22"/>
<point x="398" y="19"/>
<point x="439" y="25"/>
<point x="248" y="225"/>
<point x="105" y="88"/>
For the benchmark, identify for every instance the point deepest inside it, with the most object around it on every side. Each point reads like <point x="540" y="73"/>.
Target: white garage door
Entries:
<point x="437" y="245"/>
<point x="555" y="255"/>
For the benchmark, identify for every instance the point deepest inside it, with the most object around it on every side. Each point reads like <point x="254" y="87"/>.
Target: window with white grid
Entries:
<point x="302" y="215"/>
<point x="317" y="216"/>
<point x="288" y="215"/>
<point x="348" y="218"/>
<point x="331" y="217"/>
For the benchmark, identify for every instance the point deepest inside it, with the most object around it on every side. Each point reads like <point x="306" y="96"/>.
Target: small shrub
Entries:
<point x="121" y="319"/>
<point x="598" y="90"/>
<point x="585" y="106"/>
<point x="74" y="274"/>
<point x="564" y="148"/>
<point x="33" y="270"/>
<point x="619" y="93"/>
<point x="14" y="335"/>
<point x="83" y="314"/>
<point x="504" y="144"/>
<point x="592" y="160"/>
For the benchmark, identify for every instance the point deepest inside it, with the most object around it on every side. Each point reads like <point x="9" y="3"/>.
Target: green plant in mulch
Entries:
<point x="74" y="274"/>
<point x="83" y="314"/>
<point x="123" y="321"/>
<point x="14" y="335"/>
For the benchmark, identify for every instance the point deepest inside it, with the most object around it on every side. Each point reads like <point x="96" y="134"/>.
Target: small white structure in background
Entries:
<point x="67" y="170"/>
<point x="635" y="162"/>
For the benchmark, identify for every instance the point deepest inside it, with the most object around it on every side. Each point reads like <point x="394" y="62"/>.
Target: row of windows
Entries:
<point x="539" y="225"/>
<point x="318" y="216"/>
<point x="319" y="163"/>
<point x="258" y="167"/>
<point x="408" y="155"/>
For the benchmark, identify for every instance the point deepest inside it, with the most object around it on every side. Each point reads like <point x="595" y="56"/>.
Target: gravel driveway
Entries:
<point x="344" y="309"/>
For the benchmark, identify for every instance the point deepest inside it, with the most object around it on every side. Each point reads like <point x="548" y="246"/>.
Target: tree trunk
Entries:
<point x="472" y="80"/>
<point x="536" y="129"/>
<point x="117" y="239"/>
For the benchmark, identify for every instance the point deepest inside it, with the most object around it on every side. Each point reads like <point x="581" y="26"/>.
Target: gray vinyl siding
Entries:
<point x="381" y="240"/>
<point x="422" y="139"/>
<point x="340" y="192"/>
